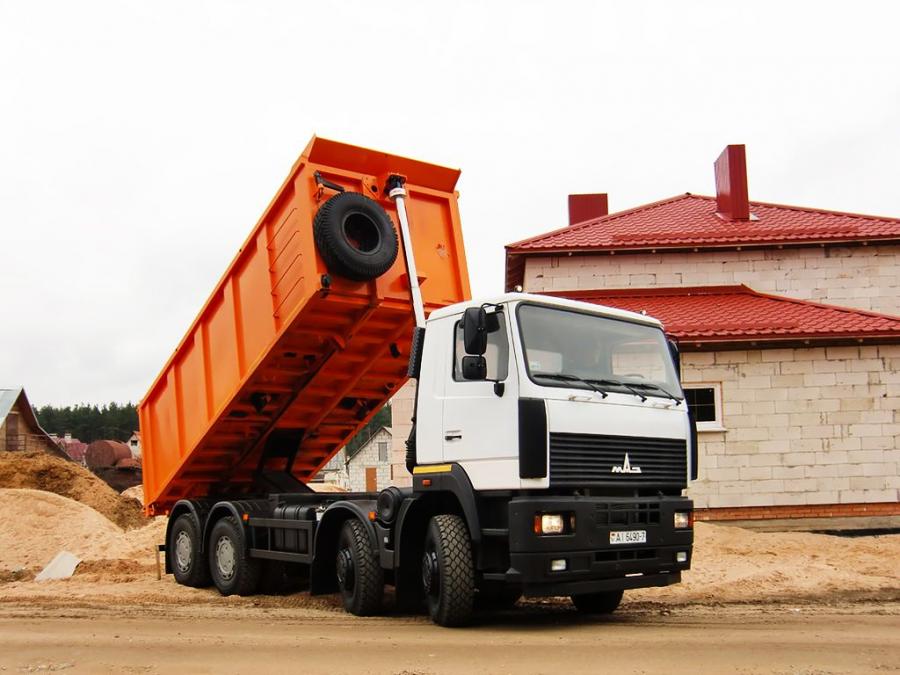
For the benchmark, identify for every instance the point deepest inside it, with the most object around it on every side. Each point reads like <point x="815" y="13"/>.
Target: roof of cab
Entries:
<point x="548" y="300"/>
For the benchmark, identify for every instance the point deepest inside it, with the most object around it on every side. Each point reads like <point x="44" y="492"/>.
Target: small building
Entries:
<point x="788" y="321"/>
<point x="369" y="468"/>
<point x="19" y="427"/>
<point x="366" y="469"/>
<point x="134" y="444"/>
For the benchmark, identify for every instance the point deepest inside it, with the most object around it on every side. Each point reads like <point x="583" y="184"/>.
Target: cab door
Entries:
<point x="480" y="419"/>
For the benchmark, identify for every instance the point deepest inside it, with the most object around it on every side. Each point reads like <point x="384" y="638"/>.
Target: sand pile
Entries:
<point x="735" y="565"/>
<point x="136" y="492"/>
<point x="37" y="525"/>
<point x="39" y="471"/>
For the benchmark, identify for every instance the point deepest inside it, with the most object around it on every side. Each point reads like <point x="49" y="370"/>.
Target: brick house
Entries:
<point x="19" y="427"/>
<point x="787" y="322"/>
<point x="134" y="444"/>
<point x="368" y="469"/>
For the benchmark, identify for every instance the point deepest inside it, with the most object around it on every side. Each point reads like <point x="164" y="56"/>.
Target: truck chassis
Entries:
<point x="442" y="546"/>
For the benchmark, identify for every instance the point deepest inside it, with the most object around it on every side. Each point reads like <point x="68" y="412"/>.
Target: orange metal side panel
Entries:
<point x="321" y="358"/>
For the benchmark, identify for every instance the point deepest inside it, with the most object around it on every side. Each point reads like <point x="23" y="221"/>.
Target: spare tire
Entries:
<point x="355" y="237"/>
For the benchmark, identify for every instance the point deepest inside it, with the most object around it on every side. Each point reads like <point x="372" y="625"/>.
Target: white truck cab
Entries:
<point x="594" y="370"/>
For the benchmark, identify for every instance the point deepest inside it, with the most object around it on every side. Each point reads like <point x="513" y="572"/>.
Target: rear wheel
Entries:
<point x="448" y="576"/>
<point x="598" y="603"/>
<point x="233" y="571"/>
<point x="359" y="574"/>
<point x="188" y="565"/>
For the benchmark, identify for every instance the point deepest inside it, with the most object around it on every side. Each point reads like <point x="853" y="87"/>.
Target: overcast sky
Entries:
<point x="140" y="141"/>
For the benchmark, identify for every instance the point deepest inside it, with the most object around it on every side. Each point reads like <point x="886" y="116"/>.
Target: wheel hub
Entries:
<point x="430" y="576"/>
<point x="184" y="550"/>
<point x="225" y="557"/>
<point x="346" y="572"/>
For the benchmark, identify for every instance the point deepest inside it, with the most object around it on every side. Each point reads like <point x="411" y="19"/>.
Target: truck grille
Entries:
<point x="584" y="460"/>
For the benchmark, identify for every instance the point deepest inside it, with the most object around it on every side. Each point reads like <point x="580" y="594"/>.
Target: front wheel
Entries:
<point x="359" y="574"/>
<point x="448" y="575"/>
<point x="598" y="603"/>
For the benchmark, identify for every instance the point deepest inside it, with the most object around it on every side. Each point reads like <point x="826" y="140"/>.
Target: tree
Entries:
<point x="88" y="423"/>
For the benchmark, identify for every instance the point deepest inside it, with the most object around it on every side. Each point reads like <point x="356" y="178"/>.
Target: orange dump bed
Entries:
<point x="286" y="354"/>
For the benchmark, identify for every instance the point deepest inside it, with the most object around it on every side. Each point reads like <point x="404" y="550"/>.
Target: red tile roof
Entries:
<point x="739" y="314"/>
<point x="690" y="221"/>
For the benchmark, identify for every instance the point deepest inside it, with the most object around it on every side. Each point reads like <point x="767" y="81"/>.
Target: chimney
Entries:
<point x="587" y="207"/>
<point x="732" y="202"/>
<point x="68" y="437"/>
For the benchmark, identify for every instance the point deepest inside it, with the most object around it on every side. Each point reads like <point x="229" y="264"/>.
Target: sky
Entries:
<point x="141" y="141"/>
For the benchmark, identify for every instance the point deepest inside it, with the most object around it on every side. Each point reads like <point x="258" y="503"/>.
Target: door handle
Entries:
<point x="453" y="436"/>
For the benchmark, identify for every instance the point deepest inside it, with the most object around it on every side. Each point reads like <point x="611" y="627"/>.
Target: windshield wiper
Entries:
<point x="565" y="377"/>
<point x="651" y="385"/>
<point x="625" y="385"/>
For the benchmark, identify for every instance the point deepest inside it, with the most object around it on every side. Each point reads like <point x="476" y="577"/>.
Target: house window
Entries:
<point x="382" y="451"/>
<point x="705" y="401"/>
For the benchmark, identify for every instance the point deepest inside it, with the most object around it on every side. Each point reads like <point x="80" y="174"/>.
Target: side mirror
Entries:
<point x="475" y="331"/>
<point x="474" y="368"/>
<point x="676" y="357"/>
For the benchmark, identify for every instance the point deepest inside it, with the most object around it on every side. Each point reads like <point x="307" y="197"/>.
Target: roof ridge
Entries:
<point x="681" y="291"/>
<point x="803" y="209"/>
<point x="822" y="305"/>
<point x="607" y="218"/>
<point x="655" y="291"/>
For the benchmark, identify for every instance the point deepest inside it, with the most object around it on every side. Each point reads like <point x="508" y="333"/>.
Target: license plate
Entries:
<point x="628" y="537"/>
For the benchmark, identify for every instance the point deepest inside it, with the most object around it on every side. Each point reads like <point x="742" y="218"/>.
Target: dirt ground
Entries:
<point x="808" y="640"/>
<point x="752" y="603"/>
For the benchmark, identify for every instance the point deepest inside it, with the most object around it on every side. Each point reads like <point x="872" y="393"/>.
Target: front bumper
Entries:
<point x="592" y="563"/>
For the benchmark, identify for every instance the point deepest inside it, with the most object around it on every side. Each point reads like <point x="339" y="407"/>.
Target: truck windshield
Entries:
<point x="565" y="348"/>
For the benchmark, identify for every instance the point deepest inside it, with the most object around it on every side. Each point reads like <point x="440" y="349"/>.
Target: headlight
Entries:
<point x="552" y="523"/>
<point x="683" y="519"/>
<point x="549" y="523"/>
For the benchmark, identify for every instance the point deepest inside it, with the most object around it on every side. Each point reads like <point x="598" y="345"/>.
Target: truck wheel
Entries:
<point x="355" y="237"/>
<point x="359" y="574"/>
<point x="188" y="565"/>
<point x="447" y="572"/>
<point x="233" y="571"/>
<point x="598" y="603"/>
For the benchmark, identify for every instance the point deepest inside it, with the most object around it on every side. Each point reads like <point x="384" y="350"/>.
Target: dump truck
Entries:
<point x="551" y="443"/>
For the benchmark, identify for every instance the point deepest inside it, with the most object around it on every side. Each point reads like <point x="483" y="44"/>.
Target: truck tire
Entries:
<point x="188" y="563"/>
<point x="233" y="571"/>
<point x="448" y="575"/>
<point x="359" y="574"/>
<point x="355" y="237"/>
<point x="598" y="603"/>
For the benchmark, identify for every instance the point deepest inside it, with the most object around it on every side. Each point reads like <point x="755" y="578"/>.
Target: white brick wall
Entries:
<point x="803" y="426"/>
<point x="864" y="277"/>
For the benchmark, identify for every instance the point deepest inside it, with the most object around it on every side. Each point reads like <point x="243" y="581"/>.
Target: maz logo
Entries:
<point x="626" y="467"/>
